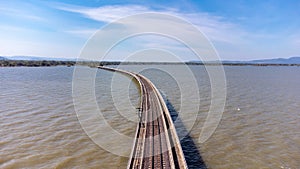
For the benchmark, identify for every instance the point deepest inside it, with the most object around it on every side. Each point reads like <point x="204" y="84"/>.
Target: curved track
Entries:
<point x="156" y="144"/>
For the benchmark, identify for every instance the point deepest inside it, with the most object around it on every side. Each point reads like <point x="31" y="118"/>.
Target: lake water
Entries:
<point x="259" y="127"/>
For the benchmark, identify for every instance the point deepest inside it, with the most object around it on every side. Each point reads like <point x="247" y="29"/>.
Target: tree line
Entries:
<point x="44" y="63"/>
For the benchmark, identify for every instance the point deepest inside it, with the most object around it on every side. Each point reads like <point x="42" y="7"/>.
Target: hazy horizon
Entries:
<point x="74" y="58"/>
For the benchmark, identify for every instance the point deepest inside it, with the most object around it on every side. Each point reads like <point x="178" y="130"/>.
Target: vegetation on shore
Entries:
<point x="28" y="63"/>
<point x="44" y="63"/>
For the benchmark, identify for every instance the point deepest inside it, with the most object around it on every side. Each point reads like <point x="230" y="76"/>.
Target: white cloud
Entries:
<point x="215" y="27"/>
<point x="13" y="28"/>
<point x="14" y="12"/>
<point x="231" y="39"/>
<point x="83" y="33"/>
<point x="106" y="13"/>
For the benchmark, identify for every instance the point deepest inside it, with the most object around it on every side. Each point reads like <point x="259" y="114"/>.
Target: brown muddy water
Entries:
<point x="259" y="127"/>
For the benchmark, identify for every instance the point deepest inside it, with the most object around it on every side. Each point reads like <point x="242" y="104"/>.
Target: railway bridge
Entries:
<point x="156" y="144"/>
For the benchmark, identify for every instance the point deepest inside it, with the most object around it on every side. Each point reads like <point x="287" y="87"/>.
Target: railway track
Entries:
<point x="156" y="144"/>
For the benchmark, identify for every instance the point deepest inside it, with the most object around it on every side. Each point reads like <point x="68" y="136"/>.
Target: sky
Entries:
<point x="239" y="30"/>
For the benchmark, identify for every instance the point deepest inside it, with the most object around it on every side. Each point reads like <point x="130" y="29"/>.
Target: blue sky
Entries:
<point x="239" y="30"/>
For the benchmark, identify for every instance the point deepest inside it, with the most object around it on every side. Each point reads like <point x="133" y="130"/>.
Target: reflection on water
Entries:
<point x="259" y="128"/>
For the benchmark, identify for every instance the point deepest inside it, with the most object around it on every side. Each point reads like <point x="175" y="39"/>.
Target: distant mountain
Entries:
<point x="3" y="58"/>
<point x="292" y="60"/>
<point x="37" y="58"/>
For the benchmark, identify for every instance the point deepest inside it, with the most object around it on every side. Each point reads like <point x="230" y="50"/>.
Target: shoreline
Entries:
<point x="49" y="63"/>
